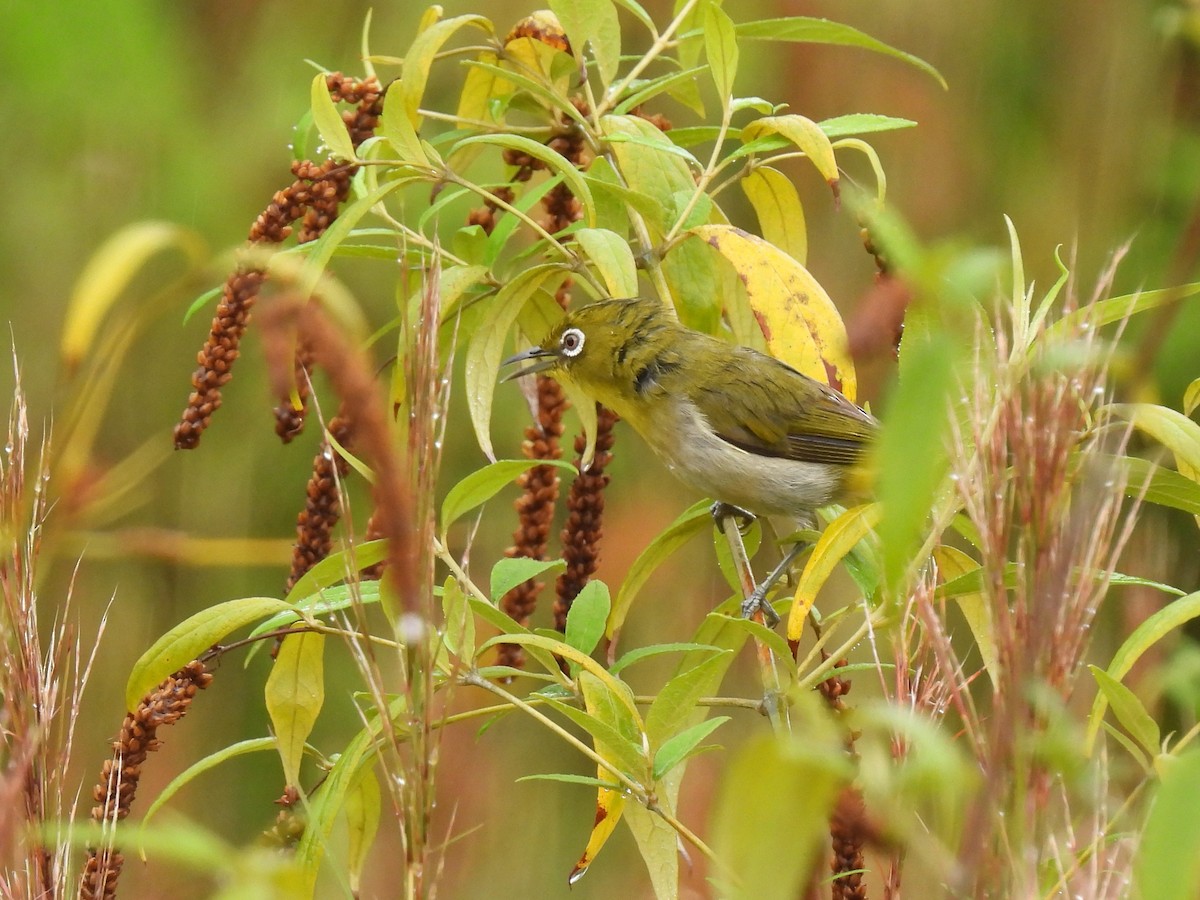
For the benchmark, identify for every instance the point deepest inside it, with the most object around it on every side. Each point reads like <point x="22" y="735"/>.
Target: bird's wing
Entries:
<point x="780" y="412"/>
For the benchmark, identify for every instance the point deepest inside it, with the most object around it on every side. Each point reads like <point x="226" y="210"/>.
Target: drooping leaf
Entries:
<point x="804" y="29"/>
<point x="953" y="563"/>
<point x="483" y="484"/>
<point x="508" y="573"/>
<point x="555" y="162"/>
<point x="780" y="213"/>
<point x="329" y="121"/>
<point x="1145" y="636"/>
<point x="805" y="134"/>
<point x="835" y="543"/>
<point x="692" y="521"/>
<point x="108" y="274"/>
<point x="295" y="693"/>
<point x="1129" y="712"/>
<point x="486" y="346"/>
<point x="585" y="619"/>
<point x="190" y="638"/>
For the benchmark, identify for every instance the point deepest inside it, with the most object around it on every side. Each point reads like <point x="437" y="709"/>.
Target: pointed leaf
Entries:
<point x="295" y="693"/>
<point x="414" y="74"/>
<point x="557" y="164"/>
<point x="508" y="573"/>
<point x="329" y="121"/>
<point x="690" y="523"/>
<point x="610" y="254"/>
<point x="585" y="619"/>
<point x="187" y="640"/>
<point x="485" y="349"/>
<point x="721" y="50"/>
<point x="1167" y="866"/>
<point x="780" y="213"/>
<point x="804" y="29"/>
<point x="862" y="123"/>
<point x="363" y="808"/>
<point x="838" y="539"/>
<point x="805" y="134"/>
<point x="1145" y="636"/>
<point x="196" y="769"/>
<point x="953" y="563"/>
<point x="483" y="484"/>
<point x="683" y="745"/>
<point x="108" y="273"/>
<point x="1129" y="712"/>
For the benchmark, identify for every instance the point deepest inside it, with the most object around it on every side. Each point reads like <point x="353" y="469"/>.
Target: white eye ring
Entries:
<point x="571" y="342"/>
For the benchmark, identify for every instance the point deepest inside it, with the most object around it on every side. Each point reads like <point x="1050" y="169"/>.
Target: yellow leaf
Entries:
<point x="837" y="540"/>
<point x="780" y="213"/>
<point x="801" y="325"/>
<point x="805" y="134"/>
<point x="295" y="693"/>
<point x="952" y="563"/>
<point x="609" y="807"/>
<point x="109" y="273"/>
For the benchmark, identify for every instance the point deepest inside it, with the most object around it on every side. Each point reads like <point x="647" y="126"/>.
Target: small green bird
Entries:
<point x="740" y="426"/>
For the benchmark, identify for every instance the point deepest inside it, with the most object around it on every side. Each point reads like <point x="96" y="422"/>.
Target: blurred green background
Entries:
<point x="1077" y="118"/>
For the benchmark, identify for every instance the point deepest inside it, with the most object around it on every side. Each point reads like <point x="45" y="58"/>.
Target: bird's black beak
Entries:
<point x="542" y="359"/>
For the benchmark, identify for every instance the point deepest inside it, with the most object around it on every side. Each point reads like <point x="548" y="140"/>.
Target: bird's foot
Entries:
<point x="721" y="511"/>
<point x="757" y="602"/>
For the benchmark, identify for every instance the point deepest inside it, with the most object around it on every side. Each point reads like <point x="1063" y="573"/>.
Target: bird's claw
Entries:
<point x="721" y="511"/>
<point x="758" y="602"/>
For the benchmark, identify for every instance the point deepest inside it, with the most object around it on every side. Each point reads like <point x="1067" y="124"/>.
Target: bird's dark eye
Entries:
<point x="571" y="342"/>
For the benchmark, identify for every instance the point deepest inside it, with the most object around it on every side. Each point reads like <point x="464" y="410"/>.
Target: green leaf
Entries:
<point x="913" y="431"/>
<point x="1115" y="309"/>
<point x="336" y="567"/>
<point x="1191" y="397"/>
<point x="507" y="225"/>
<point x="1145" y="636"/>
<point x="683" y="745"/>
<point x="721" y="50"/>
<point x="773" y="863"/>
<point x="363" y="807"/>
<point x="399" y="129"/>
<point x="1129" y="712"/>
<point x="485" y="349"/>
<point x="611" y="255"/>
<point x="655" y="86"/>
<point x="196" y="769"/>
<point x="641" y="653"/>
<point x="295" y="693"/>
<point x="460" y="624"/>
<point x="508" y="573"/>
<point x="650" y="166"/>
<point x="187" y="640"/>
<point x="1169" y="427"/>
<point x="803" y="29"/>
<point x="483" y="484"/>
<point x="690" y="523"/>
<point x="585" y="620"/>
<point x="780" y="213"/>
<point x="557" y="164"/>
<point x="676" y="702"/>
<point x="622" y="752"/>
<point x="329" y="121"/>
<point x="593" y="21"/>
<point x="1167" y="866"/>
<point x="861" y="123"/>
<point x="1157" y="485"/>
<point x="566" y="778"/>
<point x="414" y="74"/>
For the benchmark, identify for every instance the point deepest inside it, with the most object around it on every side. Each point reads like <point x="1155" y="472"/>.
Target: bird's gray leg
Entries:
<point x="758" y="599"/>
